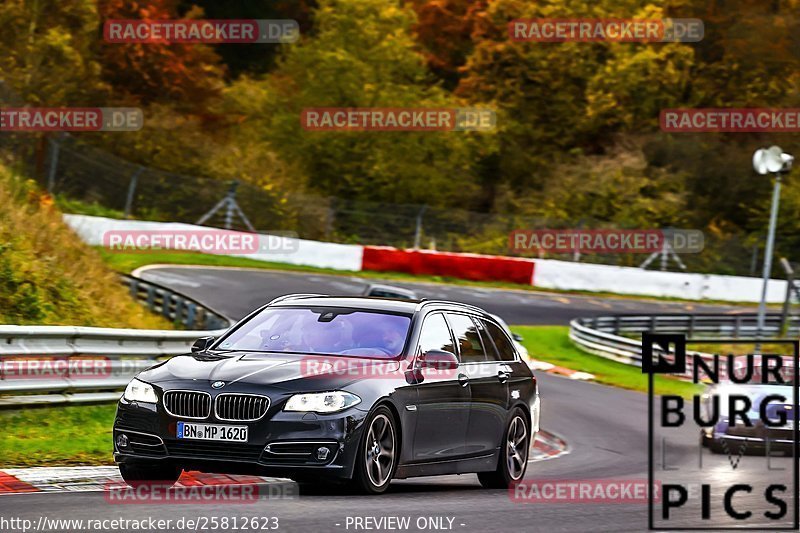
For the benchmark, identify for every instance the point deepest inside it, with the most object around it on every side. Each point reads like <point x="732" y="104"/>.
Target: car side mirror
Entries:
<point x="202" y="344"/>
<point x="517" y="337"/>
<point x="438" y="359"/>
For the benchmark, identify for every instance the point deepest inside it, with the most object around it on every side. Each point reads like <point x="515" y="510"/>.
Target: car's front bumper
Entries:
<point x="284" y="444"/>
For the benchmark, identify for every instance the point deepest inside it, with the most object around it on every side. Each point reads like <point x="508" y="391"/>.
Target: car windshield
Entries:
<point x="324" y="330"/>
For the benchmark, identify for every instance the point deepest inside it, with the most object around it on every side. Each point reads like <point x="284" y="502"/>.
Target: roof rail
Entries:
<point x="298" y="296"/>
<point x="423" y="303"/>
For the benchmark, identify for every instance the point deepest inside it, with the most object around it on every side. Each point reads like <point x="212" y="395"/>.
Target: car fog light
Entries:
<point x="322" y="453"/>
<point x="122" y="441"/>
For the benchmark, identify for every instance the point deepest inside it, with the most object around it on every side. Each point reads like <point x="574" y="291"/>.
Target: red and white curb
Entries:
<point x="99" y="478"/>
<point x="560" y="370"/>
<point x="547" y="446"/>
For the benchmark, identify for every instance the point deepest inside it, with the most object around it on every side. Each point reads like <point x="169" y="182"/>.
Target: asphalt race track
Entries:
<point x="606" y="429"/>
<point x="235" y="292"/>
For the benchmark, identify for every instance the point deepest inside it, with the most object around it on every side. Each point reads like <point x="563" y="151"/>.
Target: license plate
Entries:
<point x="189" y="430"/>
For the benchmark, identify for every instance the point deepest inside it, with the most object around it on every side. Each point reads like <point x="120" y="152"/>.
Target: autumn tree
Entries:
<point x="572" y="96"/>
<point x="253" y="58"/>
<point x="362" y="54"/>
<point x="446" y="29"/>
<point x="47" y="51"/>
<point x="186" y="75"/>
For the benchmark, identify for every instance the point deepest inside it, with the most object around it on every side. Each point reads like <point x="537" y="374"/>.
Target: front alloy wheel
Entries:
<point x="513" y="455"/>
<point x="378" y="454"/>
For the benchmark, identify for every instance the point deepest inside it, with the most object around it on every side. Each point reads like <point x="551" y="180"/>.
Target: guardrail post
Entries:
<point x="191" y="314"/>
<point x="166" y="300"/>
<point x="690" y="332"/>
<point x="133" y="283"/>
<point x="179" y="309"/>
<point x="737" y="326"/>
<point x="653" y="323"/>
<point x="151" y="296"/>
<point x="616" y="325"/>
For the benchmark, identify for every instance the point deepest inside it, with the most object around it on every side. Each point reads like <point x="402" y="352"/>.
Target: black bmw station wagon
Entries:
<point x="337" y="389"/>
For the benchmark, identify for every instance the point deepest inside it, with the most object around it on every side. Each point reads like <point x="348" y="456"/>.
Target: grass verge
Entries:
<point x="552" y="344"/>
<point x="49" y="436"/>
<point x="48" y="276"/>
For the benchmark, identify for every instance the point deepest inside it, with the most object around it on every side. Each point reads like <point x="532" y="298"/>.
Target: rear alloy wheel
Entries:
<point x="377" y="458"/>
<point x="149" y="474"/>
<point x="513" y="455"/>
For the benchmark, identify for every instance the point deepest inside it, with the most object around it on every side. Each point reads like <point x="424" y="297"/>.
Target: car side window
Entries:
<point x="501" y="341"/>
<point x="491" y="351"/>
<point x="467" y="337"/>
<point x="435" y="335"/>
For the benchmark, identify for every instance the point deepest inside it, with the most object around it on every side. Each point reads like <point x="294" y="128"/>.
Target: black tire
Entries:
<point x="137" y="474"/>
<point x="375" y="462"/>
<point x="514" y="451"/>
<point x="715" y="445"/>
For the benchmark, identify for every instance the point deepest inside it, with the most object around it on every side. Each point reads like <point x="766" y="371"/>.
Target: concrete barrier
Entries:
<point x="565" y="275"/>
<point x="463" y="266"/>
<point x="545" y="273"/>
<point x="270" y="247"/>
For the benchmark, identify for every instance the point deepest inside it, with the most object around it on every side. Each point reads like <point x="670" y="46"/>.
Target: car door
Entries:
<point x="442" y="408"/>
<point x="488" y="407"/>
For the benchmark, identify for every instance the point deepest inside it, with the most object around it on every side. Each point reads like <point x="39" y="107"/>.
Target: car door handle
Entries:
<point x="502" y="375"/>
<point x="463" y="379"/>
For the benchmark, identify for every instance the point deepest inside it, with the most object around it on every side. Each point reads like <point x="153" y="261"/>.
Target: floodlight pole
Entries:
<point x="773" y="219"/>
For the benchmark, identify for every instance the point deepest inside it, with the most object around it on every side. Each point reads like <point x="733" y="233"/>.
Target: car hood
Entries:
<point x="267" y="369"/>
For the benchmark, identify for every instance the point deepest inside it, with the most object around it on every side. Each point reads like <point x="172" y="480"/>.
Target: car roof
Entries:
<point x="371" y="303"/>
<point x="360" y="302"/>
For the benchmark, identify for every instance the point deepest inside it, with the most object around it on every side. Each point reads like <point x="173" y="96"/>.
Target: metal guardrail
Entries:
<point x="612" y="336"/>
<point x="176" y="307"/>
<point x="66" y="364"/>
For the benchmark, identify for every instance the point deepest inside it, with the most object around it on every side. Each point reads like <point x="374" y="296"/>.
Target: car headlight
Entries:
<point x="139" y="391"/>
<point x="322" y="402"/>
